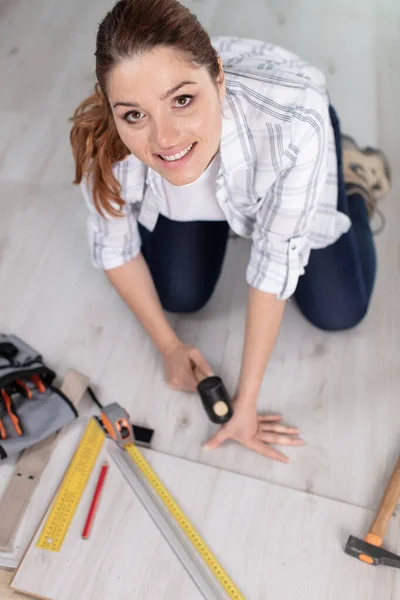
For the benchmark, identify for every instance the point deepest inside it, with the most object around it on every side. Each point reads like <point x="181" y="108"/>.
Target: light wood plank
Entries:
<point x="260" y="532"/>
<point x="5" y="592"/>
<point x="332" y="388"/>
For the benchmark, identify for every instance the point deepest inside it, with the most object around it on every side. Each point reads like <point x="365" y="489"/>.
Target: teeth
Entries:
<point x="177" y="156"/>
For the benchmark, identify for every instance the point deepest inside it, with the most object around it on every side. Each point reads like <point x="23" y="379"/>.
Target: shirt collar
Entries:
<point x="235" y="147"/>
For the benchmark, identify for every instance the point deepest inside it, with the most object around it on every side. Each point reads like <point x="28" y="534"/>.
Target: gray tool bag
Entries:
<point x="31" y="409"/>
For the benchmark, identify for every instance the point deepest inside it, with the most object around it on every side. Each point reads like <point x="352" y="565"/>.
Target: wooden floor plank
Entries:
<point x="262" y="534"/>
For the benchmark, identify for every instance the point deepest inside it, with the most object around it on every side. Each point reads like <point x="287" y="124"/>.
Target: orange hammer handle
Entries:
<point x="380" y="523"/>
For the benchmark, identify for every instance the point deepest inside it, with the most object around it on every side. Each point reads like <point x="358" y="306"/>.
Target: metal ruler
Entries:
<point x="202" y="566"/>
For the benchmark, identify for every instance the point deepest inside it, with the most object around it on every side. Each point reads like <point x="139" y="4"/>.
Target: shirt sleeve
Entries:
<point x="281" y="248"/>
<point x="114" y="241"/>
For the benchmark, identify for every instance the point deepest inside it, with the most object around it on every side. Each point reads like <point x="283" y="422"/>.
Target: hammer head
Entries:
<point x="370" y="554"/>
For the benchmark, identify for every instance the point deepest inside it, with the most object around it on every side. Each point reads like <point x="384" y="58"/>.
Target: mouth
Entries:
<point x="178" y="159"/>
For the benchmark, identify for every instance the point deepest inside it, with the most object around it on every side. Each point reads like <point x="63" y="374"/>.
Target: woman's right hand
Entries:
<point x="178" y="366"/>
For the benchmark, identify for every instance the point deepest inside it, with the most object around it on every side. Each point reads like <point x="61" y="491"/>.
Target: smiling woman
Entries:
<point x="170" y="126"/>
<point x="156" y="59"/>
<point x="185" y="137"/>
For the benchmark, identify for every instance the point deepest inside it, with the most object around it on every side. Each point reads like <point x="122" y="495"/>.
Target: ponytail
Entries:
<point x="129" y="29"/>
<point x="96" y="146"/>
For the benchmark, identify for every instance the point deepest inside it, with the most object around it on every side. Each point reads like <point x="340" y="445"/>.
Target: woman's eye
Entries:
<point x="135" y="114"/>
<point x="184" y="100"/>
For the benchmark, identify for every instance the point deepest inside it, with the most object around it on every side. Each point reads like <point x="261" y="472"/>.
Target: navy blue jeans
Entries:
<point x="185" y="260"/>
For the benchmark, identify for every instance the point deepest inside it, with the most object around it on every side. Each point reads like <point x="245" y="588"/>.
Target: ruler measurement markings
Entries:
<point x="71" y="490"/>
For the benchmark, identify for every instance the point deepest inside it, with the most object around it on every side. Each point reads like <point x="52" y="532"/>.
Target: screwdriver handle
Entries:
<point x="24" y="388"/>
<point x="38" y="383"/>
<point x="3" y="433"/>
<point x="11" y="413"/>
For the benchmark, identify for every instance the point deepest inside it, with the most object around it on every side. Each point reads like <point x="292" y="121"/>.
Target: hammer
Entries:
<point x="214" y="396"/>
<point x="370" y="551"/>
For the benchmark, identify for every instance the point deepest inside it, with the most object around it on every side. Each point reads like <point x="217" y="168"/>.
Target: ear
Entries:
<point x="221" y="80"/>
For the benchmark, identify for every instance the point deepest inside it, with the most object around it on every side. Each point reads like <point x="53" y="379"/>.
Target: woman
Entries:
<point x="183" y="140"/>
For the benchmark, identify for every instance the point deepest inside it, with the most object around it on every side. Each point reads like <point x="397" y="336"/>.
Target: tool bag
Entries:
<point x="31" y="409"/>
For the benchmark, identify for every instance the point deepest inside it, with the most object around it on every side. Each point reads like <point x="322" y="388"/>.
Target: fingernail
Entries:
<point x="206" y="447"/>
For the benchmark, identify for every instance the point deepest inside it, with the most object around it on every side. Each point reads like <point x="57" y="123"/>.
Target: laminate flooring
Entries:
<point x="271" y="541"/>
<point x="341" y="389"/>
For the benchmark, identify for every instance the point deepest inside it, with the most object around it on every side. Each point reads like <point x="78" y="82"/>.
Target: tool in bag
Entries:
<point x="28" y="471"/>
<point x="32" y="462"/>
<point x="31" y="408"/>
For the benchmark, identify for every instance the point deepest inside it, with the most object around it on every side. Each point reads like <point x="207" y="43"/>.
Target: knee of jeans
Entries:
<point x="187" y="301"/>
<point x="340" y="321"/>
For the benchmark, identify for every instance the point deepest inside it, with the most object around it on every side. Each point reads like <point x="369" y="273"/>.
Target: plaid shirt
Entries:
<point x="277" y="181"/>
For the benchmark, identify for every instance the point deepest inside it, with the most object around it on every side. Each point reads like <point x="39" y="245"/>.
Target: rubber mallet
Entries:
<point x="369" y="550"/>
<point x="214" y="396"/>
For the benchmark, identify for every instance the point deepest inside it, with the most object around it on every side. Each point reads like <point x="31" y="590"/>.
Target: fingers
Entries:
<point x="190" y="383"/>
<point x="270" y="433"/>
<point x="261" y="448"/>
<point x="216" y="441"/>
<point x="276" y="438"/>
<point x="266" y="424"/>
<point x="279" y="429"/>
<point x="185" y="383"/>
<point x="267" y="418"/>
<point x="178" y="366"/>
<point x="200" y="362"/>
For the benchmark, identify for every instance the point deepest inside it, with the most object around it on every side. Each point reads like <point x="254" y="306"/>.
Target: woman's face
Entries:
<point x="167" y="112"/>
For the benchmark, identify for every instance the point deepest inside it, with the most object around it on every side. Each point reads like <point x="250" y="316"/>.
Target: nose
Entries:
<point x="165" y="135"/>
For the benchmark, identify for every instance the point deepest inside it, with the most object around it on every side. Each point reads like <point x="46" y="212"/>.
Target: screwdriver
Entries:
<point x="3" y="434"/>
<point x="11" y="413"/>
<point x="24" y="388"/>
<point x="38" y="383"/>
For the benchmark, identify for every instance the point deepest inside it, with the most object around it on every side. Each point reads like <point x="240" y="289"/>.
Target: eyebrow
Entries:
<point x="167" y="94"/>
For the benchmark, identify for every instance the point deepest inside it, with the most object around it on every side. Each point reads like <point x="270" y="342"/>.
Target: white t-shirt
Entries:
<point x="196" y="201"/>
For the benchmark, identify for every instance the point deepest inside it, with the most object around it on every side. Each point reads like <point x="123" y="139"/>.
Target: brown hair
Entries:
<point x="132" y="27"/>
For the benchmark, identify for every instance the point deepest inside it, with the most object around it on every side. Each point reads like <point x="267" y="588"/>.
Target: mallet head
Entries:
<point x="370" y="554"/>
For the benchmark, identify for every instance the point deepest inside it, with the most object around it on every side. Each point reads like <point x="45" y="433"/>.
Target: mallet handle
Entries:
<point x="380" y="523"/>
<point x="198" y="375"/>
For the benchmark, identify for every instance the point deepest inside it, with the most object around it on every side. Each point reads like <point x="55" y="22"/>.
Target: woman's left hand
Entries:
<point x="256" y="432"/>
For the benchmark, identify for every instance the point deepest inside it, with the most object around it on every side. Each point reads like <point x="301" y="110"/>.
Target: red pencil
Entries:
<point x="96" y="496"/>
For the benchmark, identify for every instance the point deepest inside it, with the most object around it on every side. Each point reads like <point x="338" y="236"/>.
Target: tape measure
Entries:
<point x="177" y="530"/>
<point x="184" y="524"/>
